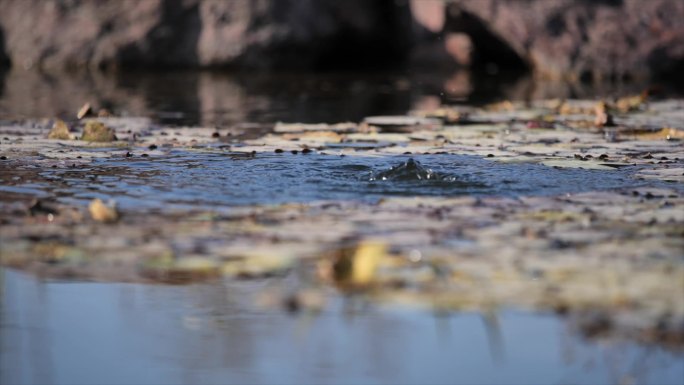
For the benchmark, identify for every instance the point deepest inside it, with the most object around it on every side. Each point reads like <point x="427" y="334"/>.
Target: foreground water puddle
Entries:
<point x="83" y="332"/>
<point x="208" y="179"/>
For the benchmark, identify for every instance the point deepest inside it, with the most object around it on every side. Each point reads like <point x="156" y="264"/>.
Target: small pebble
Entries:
<point x="306" y="151"/>
<point x="152" y="147"/>
<point x="294" y="152"/>
<point x="145" y="155"/>
<point x="3" y="157"/>
<point x="278" y="151"/>
<point x="215" y="135"/>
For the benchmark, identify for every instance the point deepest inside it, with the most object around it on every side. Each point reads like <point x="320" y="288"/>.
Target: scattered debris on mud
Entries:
<point x="612" y="260"/>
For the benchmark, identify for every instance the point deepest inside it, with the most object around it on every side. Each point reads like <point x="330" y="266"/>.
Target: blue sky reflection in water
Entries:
<point x="81" y="333"/>
<point x="217" y="180"/>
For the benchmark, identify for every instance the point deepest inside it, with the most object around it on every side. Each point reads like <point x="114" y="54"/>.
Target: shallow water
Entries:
<point x="70" y="332"/>
<point x="59" y="333"/>
<point x="218" y="180"/>
<point x="226" y="99"/>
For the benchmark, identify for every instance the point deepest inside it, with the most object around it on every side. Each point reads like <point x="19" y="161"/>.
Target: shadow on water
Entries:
<point x="62" y="333"/>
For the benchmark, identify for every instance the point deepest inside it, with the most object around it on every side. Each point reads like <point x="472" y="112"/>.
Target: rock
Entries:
<point x="95" y="131"/>
<point x="205" y="33"/>
<point x="558" y="38"/>
<point x="587" y="39"/>
<point x="60" y="130"/>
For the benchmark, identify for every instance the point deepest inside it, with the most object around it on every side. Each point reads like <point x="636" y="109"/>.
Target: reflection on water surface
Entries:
<point x="72" y="333"/>
<point x="224" y="99"/>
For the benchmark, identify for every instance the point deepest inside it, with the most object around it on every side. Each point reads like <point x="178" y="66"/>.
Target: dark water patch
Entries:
<point x="223" y="180"/>
<point x="226" y="99"/>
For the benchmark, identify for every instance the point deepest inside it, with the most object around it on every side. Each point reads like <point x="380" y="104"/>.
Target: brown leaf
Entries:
<point x="59" y="130"/>
<point x="101" y="212"/>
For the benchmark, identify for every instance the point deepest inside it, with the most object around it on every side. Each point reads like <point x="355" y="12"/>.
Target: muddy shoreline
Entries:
<point x="607" y="256"/>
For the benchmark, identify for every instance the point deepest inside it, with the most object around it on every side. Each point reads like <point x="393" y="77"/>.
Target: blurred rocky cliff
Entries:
<point x="557" y="38"/>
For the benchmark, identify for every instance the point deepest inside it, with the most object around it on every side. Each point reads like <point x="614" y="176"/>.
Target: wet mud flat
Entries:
<point x="573" y="208"/>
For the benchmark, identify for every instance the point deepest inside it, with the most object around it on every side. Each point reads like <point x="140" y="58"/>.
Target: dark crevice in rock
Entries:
<point x="172" y="43"/>
<point x="609" y="3"/>
<point x="4" y="56"/>
<point x="666" y="69"/>
<point x="488" y="47"/>
<point x="330" y="36"/>
<point x="556" y="25"/>
<point x="386" y="46"/>
<point x="4" y="62"/>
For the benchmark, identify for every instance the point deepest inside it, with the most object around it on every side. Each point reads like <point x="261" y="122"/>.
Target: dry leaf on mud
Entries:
<point x="84" y="111"/>
<point x="101" y="212"/>
<point x="95" y="131"/>
<point x="357" y="266"/>
<point x="59" y="130"/>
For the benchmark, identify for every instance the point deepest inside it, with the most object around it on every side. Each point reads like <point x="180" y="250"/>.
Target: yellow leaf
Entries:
<point x="366" y="260"/>
<point x="354" y="266"/>
<point x="666" y="133"/>
<point x="101" y="212"/>
<point x="84" y="111"/>
<point x="59" y="130"/>
<point x="95" y="131"/>
<point x="630" y="103"/>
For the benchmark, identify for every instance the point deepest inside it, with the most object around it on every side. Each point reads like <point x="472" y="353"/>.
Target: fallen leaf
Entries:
<point x="60" y="130"/>
<point x="95" y="131"/>
<point x="630" y="103"/>
<point x="666" y="133"/>
<point x="101" y="212"/>
<point x="573" y="163"/>
<point x="357" y="266"/>
<point x="257" y="265"/>
<point x="84" y="111"/>
<point x="603" y="117"/>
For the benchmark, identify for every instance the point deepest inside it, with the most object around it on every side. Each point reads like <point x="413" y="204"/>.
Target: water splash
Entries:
<point x="409" y="171"/>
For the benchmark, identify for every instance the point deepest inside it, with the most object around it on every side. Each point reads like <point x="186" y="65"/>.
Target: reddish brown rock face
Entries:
<point x="203" y="33"/>
<point x="611" y="38"/>
<point x="557" y="38"/>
